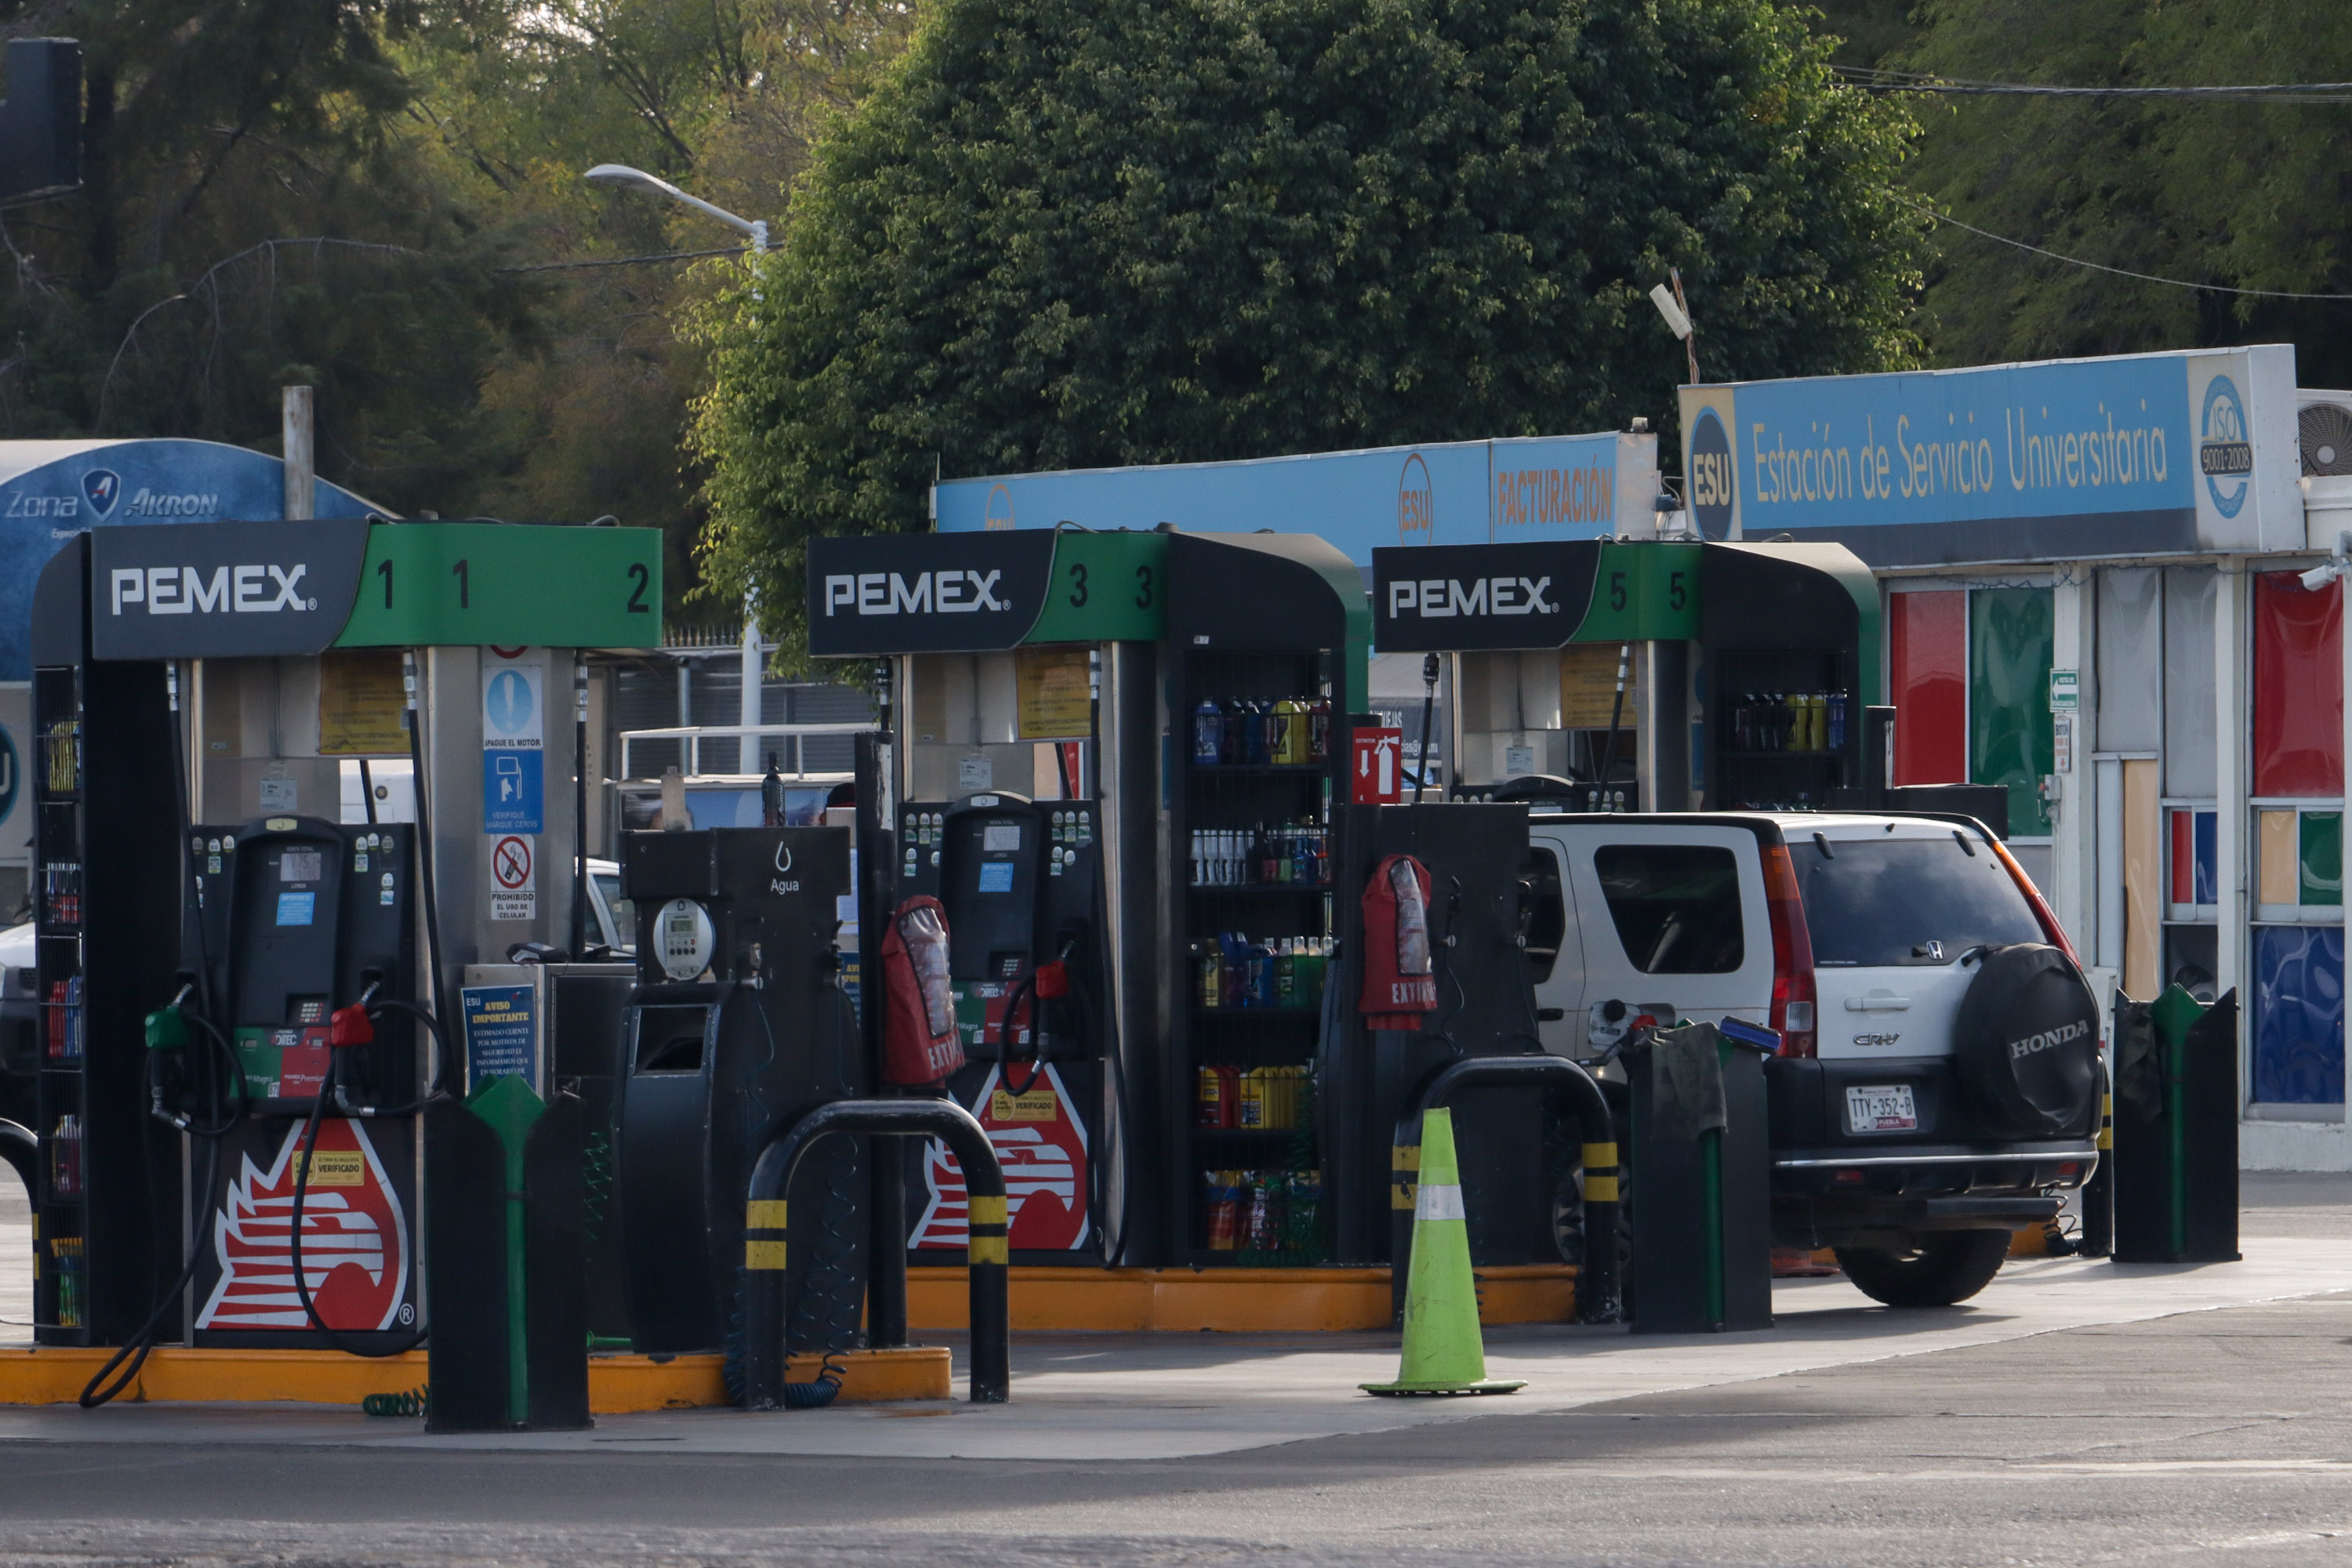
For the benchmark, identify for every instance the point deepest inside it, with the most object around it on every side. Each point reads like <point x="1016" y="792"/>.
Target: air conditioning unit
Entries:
<point x="2323" y="424"/>
<point x="2324" y="430"/>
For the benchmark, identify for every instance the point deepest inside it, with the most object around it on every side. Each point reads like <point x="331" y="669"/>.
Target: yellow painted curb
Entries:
<point x="1228" y="1301"/>
<point x="56" y="1374"/>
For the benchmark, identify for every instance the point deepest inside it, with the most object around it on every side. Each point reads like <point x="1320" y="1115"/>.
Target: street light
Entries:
<point x="1677" y="311"/>
<point x="621" y="176"/>
<point x="747" y="712"/>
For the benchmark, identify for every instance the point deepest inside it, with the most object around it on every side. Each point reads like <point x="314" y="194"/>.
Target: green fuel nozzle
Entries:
<point x="167" y="1026"/>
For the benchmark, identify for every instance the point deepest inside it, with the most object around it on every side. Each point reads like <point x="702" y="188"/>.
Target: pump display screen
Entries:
<point x="296" y="909"/>
<point x="1001" y="837"/>
<point x="995" y="876"/>
<point x="301" y="866"/>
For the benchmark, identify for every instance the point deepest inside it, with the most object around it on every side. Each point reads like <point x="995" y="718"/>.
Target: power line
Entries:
<point x="1873" y="79"/>
<point x="2118" y="271"/>
<point x="625" y="260"/>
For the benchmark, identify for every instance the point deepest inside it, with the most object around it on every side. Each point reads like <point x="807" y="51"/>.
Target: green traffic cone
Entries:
<point x="1443" y="1352"/>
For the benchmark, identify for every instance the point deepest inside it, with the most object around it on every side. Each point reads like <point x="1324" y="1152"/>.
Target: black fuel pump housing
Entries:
<point x="293" y="917"/>
<point x="1021" y="881"/>
<point x="737" y="1025"/>
<point x="1515" y="1148"/>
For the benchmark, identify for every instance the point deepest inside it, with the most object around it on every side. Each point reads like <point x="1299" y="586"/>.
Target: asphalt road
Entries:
<point x="2222" y="1434"/>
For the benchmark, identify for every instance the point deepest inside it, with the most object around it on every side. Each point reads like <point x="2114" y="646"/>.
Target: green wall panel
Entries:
<point x="2319" y="859"/>
<point x="2011" y="649"/>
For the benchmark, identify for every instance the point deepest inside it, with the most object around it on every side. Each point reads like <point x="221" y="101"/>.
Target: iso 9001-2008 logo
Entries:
<point x="2224" y="454"/>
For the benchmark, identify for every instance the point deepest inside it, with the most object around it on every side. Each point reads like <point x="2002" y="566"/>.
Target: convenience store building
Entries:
<point x="2099" y="586"/>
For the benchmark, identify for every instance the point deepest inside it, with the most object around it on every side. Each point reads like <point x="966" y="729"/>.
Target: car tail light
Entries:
<point x="2050" y="929"/>
<point x="1793" y="956"/>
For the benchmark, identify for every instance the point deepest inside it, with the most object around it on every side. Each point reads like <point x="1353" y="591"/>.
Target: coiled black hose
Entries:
<point x="418" y="1401"/>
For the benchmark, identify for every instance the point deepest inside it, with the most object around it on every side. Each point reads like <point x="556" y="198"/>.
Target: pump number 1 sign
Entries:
<point x="514" y="749"/>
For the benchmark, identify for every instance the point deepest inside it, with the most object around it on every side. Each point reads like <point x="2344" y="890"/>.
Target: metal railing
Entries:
<point x="1600" y="1296"/>
<point x="764" y="1231"/>
<point x="688" y="739"/>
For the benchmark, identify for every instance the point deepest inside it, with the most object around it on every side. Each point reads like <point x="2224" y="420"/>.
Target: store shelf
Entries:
<point x="1259" y="770"/>
<point x="1224" y="1012"/>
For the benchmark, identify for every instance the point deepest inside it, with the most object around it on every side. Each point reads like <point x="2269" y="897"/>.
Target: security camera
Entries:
<point x="2321" y="576"/>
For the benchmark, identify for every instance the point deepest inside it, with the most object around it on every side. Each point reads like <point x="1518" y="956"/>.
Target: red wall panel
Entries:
<point x="2298" y="687"/>
<point x="1927" y="646"/>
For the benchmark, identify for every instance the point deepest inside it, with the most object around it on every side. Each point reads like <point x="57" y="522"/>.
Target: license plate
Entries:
<point x="1883" y="1109"/>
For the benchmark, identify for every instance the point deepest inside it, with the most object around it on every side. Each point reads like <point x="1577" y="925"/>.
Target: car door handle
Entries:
<point x="1550" y="1014"/>
<point x="1877" y="1002"/>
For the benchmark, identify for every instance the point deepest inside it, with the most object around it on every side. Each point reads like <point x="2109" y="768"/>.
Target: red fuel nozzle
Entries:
<point x="1053" y="980"/>
<point x="350" y="1026"/>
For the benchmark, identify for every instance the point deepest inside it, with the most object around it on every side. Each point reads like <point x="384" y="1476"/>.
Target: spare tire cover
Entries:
<point x="2026" y="1041"/>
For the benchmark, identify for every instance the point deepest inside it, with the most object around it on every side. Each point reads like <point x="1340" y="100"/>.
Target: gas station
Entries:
<point x="1120" y="1000"/>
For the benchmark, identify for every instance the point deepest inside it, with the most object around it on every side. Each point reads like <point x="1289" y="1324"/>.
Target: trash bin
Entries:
<point x="2176" y="1132"/>
<point x="1701" y="1175"/>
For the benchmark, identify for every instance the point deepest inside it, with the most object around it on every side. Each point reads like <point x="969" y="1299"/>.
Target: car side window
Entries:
<point x="624" y="912"/>
<point x="1675" y="906"/>
<point x="1545" y="913"/>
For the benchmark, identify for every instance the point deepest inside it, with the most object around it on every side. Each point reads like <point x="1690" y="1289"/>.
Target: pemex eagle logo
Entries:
<point x="355" y="1256"/>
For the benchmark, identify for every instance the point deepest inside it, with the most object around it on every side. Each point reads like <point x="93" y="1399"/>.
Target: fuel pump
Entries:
<point x="1019" y="882"/>
<point x="307" y="926"/>
<point x="737" y="1025"/>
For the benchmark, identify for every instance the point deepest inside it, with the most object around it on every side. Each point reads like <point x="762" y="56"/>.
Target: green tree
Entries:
<point x="162" y="299"/>
<point x="2232" y="193"/>
<point x="426" y="155"/>
<point x="1064" y="233"/>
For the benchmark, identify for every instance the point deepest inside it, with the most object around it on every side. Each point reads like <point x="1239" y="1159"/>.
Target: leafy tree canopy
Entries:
<point x="2234" y="194"/>
<point x="363" y="194"/>
<point x="1065" y="233"/>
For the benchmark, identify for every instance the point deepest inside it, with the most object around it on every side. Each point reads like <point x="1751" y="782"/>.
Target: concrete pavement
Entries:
<point x="2076" y="1413"/>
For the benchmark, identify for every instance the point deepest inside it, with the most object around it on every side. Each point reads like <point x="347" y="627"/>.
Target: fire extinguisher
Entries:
<point x="1399" y="980"/>
<point x="920" y="1042"/>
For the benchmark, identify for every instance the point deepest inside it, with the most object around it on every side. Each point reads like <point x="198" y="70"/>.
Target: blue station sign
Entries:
<point x="1459" y="492"/>
<point x="2140" y="454"/>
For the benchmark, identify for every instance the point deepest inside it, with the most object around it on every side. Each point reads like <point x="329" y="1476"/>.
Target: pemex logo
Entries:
<point x="1043" y="1149"/>
<point x="2224" y="455"/>
<point x="355" y="1240"/>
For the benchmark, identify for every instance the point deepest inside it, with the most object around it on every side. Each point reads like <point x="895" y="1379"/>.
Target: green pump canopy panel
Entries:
<point x="251" y="590"/>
